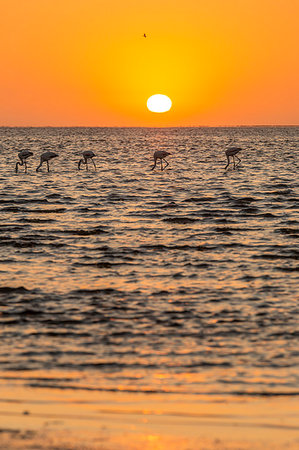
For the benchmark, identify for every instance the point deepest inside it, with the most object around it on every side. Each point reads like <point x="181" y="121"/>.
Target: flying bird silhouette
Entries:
<point x="23" y="156"/>
<point x="87" y="154"/>
<point x="45" y="157"/>
<point x="144" y="35"/>
<point x="160" y="154"/>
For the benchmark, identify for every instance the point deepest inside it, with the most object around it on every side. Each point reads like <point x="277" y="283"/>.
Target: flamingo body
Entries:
<point x="23" y="156"/>
<point x="87" y="155"/>
<point x="45" y="157"/>
<point x="160" y="154"/>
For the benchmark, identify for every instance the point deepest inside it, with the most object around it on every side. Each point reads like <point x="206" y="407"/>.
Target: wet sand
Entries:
<point x="68" y="419"/>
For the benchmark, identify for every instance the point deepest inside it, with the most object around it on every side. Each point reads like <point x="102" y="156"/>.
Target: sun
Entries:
<point x="159" y="103"/>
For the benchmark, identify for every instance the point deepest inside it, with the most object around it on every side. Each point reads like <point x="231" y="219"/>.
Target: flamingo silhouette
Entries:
<point x="232" y="152"/>
<point x="45" y="157"/>
<point x="87" y="154"/>
<point x="23" y="155"/>
<point x="160" y="154"/>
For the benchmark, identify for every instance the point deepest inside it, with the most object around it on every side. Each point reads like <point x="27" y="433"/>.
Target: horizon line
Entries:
<point x="146" y="126"/>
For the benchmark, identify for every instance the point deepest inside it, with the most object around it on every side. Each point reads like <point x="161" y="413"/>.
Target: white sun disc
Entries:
<point x="159" y="103"/>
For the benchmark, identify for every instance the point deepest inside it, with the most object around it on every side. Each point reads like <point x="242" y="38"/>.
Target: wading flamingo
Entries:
<point x="23" y="155"/>
<point x="87" y="154"/>
<point x="232" y="152"/>
<point x="160" y="154"/>
<point x="45" y="157"/>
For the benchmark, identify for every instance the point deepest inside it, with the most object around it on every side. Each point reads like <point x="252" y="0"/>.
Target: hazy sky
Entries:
<point x="86" y="62"/>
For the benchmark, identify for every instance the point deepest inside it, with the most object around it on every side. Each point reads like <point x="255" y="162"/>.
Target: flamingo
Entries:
<point x="87" y="154"/>
<point x="160" y="154"/>
<point x="232" y="152"/>
<point x="23" y="155"/>
<point x="46" y="156"/>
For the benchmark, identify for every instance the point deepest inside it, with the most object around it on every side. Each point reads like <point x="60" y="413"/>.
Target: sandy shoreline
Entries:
<point x="41" y="418"/>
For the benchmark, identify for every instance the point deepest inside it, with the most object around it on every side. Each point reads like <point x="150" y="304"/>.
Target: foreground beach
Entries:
<point x="67" y="419"/>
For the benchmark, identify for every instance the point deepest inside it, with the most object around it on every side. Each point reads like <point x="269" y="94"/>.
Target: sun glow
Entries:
<point x="159" y="103"/>
<point x="97" y="67"/>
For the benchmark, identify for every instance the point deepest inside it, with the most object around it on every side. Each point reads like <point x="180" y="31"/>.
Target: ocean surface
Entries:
<point x="126" y="279"/>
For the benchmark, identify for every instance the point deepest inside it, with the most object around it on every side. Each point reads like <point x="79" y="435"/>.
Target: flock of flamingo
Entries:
<point x="88" y="156"/>
<point x="46" y="156"/>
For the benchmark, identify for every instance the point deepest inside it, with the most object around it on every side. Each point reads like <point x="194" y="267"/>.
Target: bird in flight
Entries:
<point x="144" y="35"/>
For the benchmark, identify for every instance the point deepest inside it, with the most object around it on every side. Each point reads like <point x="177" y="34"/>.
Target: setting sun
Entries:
<point x="159" y="103"/>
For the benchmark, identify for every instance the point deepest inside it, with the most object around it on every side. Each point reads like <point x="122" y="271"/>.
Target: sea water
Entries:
<point x="176" y="281"/>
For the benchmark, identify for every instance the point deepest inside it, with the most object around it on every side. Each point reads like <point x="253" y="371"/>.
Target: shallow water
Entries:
<point x="181" y="281"/>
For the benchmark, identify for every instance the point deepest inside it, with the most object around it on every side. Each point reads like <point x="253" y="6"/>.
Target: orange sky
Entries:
<point x="85" y="62"/>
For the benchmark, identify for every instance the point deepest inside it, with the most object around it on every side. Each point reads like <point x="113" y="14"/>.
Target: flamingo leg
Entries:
<point x="86" y="164"/>
<point x="161" y="164"/>
<point x="238" y="160"/>
<point x="154" y="165"/>
<point x="48" y="166"/>
<point x="25" y="166"/>
<point x="162" y="161"/>
<point x="95" y="167"/>
<point x="234" y="161"/>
